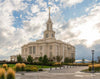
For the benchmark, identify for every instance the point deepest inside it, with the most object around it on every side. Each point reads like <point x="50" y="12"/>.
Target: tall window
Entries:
<point x="34" y="49"/>
<point x="50" y="46"/>
<point x="52" y="35"/>
<point x="25" y="49"/>
<point x="30" y="49"/>
<point x="47" y="26"/>
<point x="40" y="47"/>
<point x="46" y="35"/>
<point x="72" y="55"/>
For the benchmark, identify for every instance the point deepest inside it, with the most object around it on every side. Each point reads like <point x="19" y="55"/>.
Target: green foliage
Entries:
<point x="45" y="60"/>
<point x="40" y="69"/>
<point x="40" y="59"/>
<point x="68" y="60"/>
<point x="59" y="58"/>
<point x="98" y="59"/>
<point x="30" y="59"/>
<point x="19" y="58"/>
<point x="31" y="68"/>
<point x="83" y="60"/>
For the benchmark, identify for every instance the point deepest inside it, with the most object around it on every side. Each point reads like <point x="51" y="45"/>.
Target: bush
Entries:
<point x="10" y="74"/>
<point x="96" y="67"/>
<point x="23" y="66"/>
<point x="5" y="66"/>
<point x="40" y="69"/>
<point x="57" y="64"/>
<point x="2" y="73"/>
<point x="31" y="68"/>
<point x="77" y="64"/>
<point x="18" y="67"/>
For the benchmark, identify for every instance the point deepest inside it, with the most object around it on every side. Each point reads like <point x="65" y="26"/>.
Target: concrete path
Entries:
<point x="67" y="73"/>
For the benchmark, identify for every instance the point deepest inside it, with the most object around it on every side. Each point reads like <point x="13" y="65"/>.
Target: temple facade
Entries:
<point x="48" y="45"/>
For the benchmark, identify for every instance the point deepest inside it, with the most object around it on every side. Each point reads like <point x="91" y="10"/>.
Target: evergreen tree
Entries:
<point x="19" y="58"/>
<point x="30" y="59"/>
<point x="40" y="59"/>
<point x="83" y="60"/>
<point x="45" y="60"/>
<point x="59" y="58"/>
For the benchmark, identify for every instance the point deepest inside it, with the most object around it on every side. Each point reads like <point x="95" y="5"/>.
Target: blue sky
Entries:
<point x="75" y="21"/>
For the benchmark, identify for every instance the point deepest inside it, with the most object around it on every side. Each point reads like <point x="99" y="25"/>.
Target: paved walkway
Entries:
<point x="67" y="73"/>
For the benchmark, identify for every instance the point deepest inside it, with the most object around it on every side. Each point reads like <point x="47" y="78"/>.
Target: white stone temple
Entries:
<point x="48" y="45"/>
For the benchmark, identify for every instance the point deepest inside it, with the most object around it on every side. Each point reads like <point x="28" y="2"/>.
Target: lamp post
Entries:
<point x="92" y="61"/>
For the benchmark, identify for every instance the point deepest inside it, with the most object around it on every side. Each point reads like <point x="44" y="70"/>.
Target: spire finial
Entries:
<point x="49" y="12"/>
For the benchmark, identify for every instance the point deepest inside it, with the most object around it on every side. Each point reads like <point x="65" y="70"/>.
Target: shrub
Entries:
<point x="57" y="64"/>
<point x="31" y="68"/>
<point x="2" y="73"/>
<point x="18" y="67"/>
<point x="5" y="66"/>
<point x="10" y="74"/>
<point x="96" y="67"/>
<point x="23" y="66"/>
<point x="40" y="69"/>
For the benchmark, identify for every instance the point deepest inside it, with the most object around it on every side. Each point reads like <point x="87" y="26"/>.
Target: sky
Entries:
<point x="75" y="21"/>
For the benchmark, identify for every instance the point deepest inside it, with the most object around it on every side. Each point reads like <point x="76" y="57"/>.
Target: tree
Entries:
<point x="59" y="58"/>
<point x="45" y="59"/>
<point x="98" y="59"/>
<point x="30" y="59"/>
<point x="83" y="60"/>
<point x="19" y="58"/>
<point x="40" y="59"/>
<point x="66" y="60"/>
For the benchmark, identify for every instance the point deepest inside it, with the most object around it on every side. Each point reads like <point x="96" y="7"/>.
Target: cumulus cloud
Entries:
<point x="73" y="31"/>
<point x="70" y="3"/>
<point x="84" y="29"/>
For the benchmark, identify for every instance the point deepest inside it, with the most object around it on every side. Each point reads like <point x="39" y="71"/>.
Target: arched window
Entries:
<point x="46" y="35"/>
<point x="52" y="35"/>
<point x="40" y="47"/>
<point x="34" y="49"/>
<point x="50" y="46"/>
<point x="30" y="49"/>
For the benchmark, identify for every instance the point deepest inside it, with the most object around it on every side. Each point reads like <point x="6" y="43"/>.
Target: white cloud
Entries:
<point x="70" y="3"/>
<point x="35" y="8"/>
<point x="83" y="30"/>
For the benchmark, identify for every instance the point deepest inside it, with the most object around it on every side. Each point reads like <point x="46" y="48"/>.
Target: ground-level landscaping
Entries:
<point x="90" y="68"/>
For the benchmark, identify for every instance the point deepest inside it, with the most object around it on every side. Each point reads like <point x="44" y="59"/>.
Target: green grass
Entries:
<point x="39" y="66"/>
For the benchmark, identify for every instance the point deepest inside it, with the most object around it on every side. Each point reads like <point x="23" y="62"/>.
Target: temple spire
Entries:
<point x="49" y="12"/>
<point x="49" y="19"/>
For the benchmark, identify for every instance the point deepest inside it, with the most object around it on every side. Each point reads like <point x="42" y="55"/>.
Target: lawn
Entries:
<point x="39" y="66"/>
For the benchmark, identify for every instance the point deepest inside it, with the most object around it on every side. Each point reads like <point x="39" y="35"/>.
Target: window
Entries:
<point x="41" y="54"/>
<point x="30" y="50"/>
<point x="47" y="27"/>
<point x="46" y="35"/>
<point x="52" y="35"/>
<point x="50" y="47"/>
<point x="34" y="49"/>
<point x="72" y="55"/>
<point x="25" y="49"/>
<point x="40" y="47"/>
